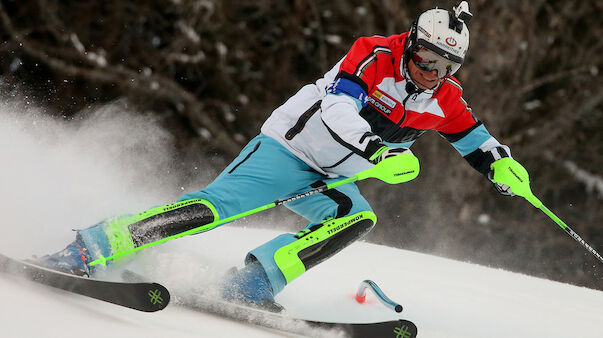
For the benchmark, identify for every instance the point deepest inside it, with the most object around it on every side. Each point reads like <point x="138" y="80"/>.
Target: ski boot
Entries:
<point x="250" y="286"/>
<point x="73" y="259"/>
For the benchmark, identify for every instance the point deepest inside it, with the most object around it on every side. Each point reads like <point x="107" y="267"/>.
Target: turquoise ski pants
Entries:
<point x="266" y="171"/>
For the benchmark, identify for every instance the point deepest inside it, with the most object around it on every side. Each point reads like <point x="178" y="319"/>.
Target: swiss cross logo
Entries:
<point x="451" y="41"/>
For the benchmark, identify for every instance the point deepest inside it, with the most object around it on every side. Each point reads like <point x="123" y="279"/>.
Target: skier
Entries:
<point x="373" y="104"/>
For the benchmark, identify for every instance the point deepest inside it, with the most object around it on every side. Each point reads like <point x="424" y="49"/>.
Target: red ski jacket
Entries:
<point x="368" y="99"/>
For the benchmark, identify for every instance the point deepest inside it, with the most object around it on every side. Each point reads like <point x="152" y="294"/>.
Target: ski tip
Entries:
<point x="159" y="298"/>
<point x="405" y="328"/>
<point x="360" y="299"/>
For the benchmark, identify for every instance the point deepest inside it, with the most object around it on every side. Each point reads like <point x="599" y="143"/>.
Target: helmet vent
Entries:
<point x="454" y="23"/>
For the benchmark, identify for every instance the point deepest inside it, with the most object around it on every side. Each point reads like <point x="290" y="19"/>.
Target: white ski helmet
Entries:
<point x="439" y="40"/>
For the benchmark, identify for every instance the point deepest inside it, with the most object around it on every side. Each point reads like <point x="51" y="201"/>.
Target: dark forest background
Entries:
<point x="212" y="71"/>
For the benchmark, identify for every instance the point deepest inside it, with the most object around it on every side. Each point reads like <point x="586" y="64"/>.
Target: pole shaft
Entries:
<point x="570" y="232"/>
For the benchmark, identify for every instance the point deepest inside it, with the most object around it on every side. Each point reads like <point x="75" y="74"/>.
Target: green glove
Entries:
<point x="509" y="172"/>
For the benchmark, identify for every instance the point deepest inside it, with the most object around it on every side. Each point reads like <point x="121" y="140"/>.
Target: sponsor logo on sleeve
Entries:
<point x="382" y="102"/>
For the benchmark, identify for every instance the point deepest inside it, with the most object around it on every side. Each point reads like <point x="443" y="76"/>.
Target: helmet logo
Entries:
<point x="451" y="41"/>
<point x="424" y="31"/>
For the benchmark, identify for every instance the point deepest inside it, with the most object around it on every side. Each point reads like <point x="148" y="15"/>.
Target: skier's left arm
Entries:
<point x="478" y="147"/>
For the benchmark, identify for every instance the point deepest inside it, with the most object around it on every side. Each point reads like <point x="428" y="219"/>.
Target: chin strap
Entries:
<point x="404" y="70"/>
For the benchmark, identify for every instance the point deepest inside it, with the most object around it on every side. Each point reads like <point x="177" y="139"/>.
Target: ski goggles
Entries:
<point x="427" y="60"/>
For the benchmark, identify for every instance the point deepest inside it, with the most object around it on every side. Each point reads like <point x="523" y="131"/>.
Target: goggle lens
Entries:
<point x="428" y="60"/>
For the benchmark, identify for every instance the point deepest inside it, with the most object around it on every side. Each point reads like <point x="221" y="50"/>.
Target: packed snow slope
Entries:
<point x="444" y="298"/>
<point x="56" y="176"/>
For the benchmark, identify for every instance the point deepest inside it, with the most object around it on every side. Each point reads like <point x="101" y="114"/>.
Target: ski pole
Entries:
<point x="361" y="295"/>
<point x="510" y="172"/>
<point x="392" y="170"/>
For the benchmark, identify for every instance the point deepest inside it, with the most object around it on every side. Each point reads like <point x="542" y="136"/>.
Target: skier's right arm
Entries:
<point x="346" y="96"/>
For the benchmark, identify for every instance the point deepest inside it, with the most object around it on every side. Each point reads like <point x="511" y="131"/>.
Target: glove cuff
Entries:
<point x="374" y="158"/>
<point x="372" y="147"/>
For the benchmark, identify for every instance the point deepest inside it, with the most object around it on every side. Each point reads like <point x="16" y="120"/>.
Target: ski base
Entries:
<point x="147" y="297"/>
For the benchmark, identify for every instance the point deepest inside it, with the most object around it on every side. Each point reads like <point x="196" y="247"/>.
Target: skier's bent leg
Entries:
<point x="278" y="262"/>
<point x="124" y="233"/>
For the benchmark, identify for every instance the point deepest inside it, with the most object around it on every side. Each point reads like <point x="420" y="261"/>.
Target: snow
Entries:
<point x="444" y="298"/>
<point x="56" y="177"/>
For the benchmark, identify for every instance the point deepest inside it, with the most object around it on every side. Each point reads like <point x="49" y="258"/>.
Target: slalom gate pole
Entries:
<point x="361" y="295"/>
<point x="510" y="171"/>
<point x="392" y="170"/>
